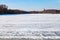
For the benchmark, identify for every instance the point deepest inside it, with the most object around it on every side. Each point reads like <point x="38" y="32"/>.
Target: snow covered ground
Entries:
<point x="29" y="24"/>
<point x="32" y="22"/>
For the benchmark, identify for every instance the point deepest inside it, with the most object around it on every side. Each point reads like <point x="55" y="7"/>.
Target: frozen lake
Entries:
<point x="30" y="25"/>
<point x="32" y="22"/>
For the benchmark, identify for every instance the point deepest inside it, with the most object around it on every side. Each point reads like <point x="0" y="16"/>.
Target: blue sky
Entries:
<point x="32" y="4"/>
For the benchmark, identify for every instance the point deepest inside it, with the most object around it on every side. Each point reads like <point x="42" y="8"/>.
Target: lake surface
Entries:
<point x="30" y="25"/>
<point x="24" y="22"/>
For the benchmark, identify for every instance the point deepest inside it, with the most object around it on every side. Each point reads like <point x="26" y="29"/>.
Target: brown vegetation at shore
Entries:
<point x="54" y="11"/>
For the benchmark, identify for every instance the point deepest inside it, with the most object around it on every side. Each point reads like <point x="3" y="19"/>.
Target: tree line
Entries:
<point x="4" y="10"/>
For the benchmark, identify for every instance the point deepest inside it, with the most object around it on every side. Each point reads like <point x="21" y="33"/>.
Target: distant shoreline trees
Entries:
<point x="4" y="10"/>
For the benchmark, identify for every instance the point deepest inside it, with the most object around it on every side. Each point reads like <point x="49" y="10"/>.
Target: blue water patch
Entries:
<point x="11" y="14"/>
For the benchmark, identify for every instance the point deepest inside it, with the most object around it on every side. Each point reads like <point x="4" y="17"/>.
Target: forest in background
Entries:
<point x="4" y="10"/>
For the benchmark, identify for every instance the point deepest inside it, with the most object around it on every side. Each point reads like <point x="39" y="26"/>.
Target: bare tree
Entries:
<point x="3" y="6"/>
